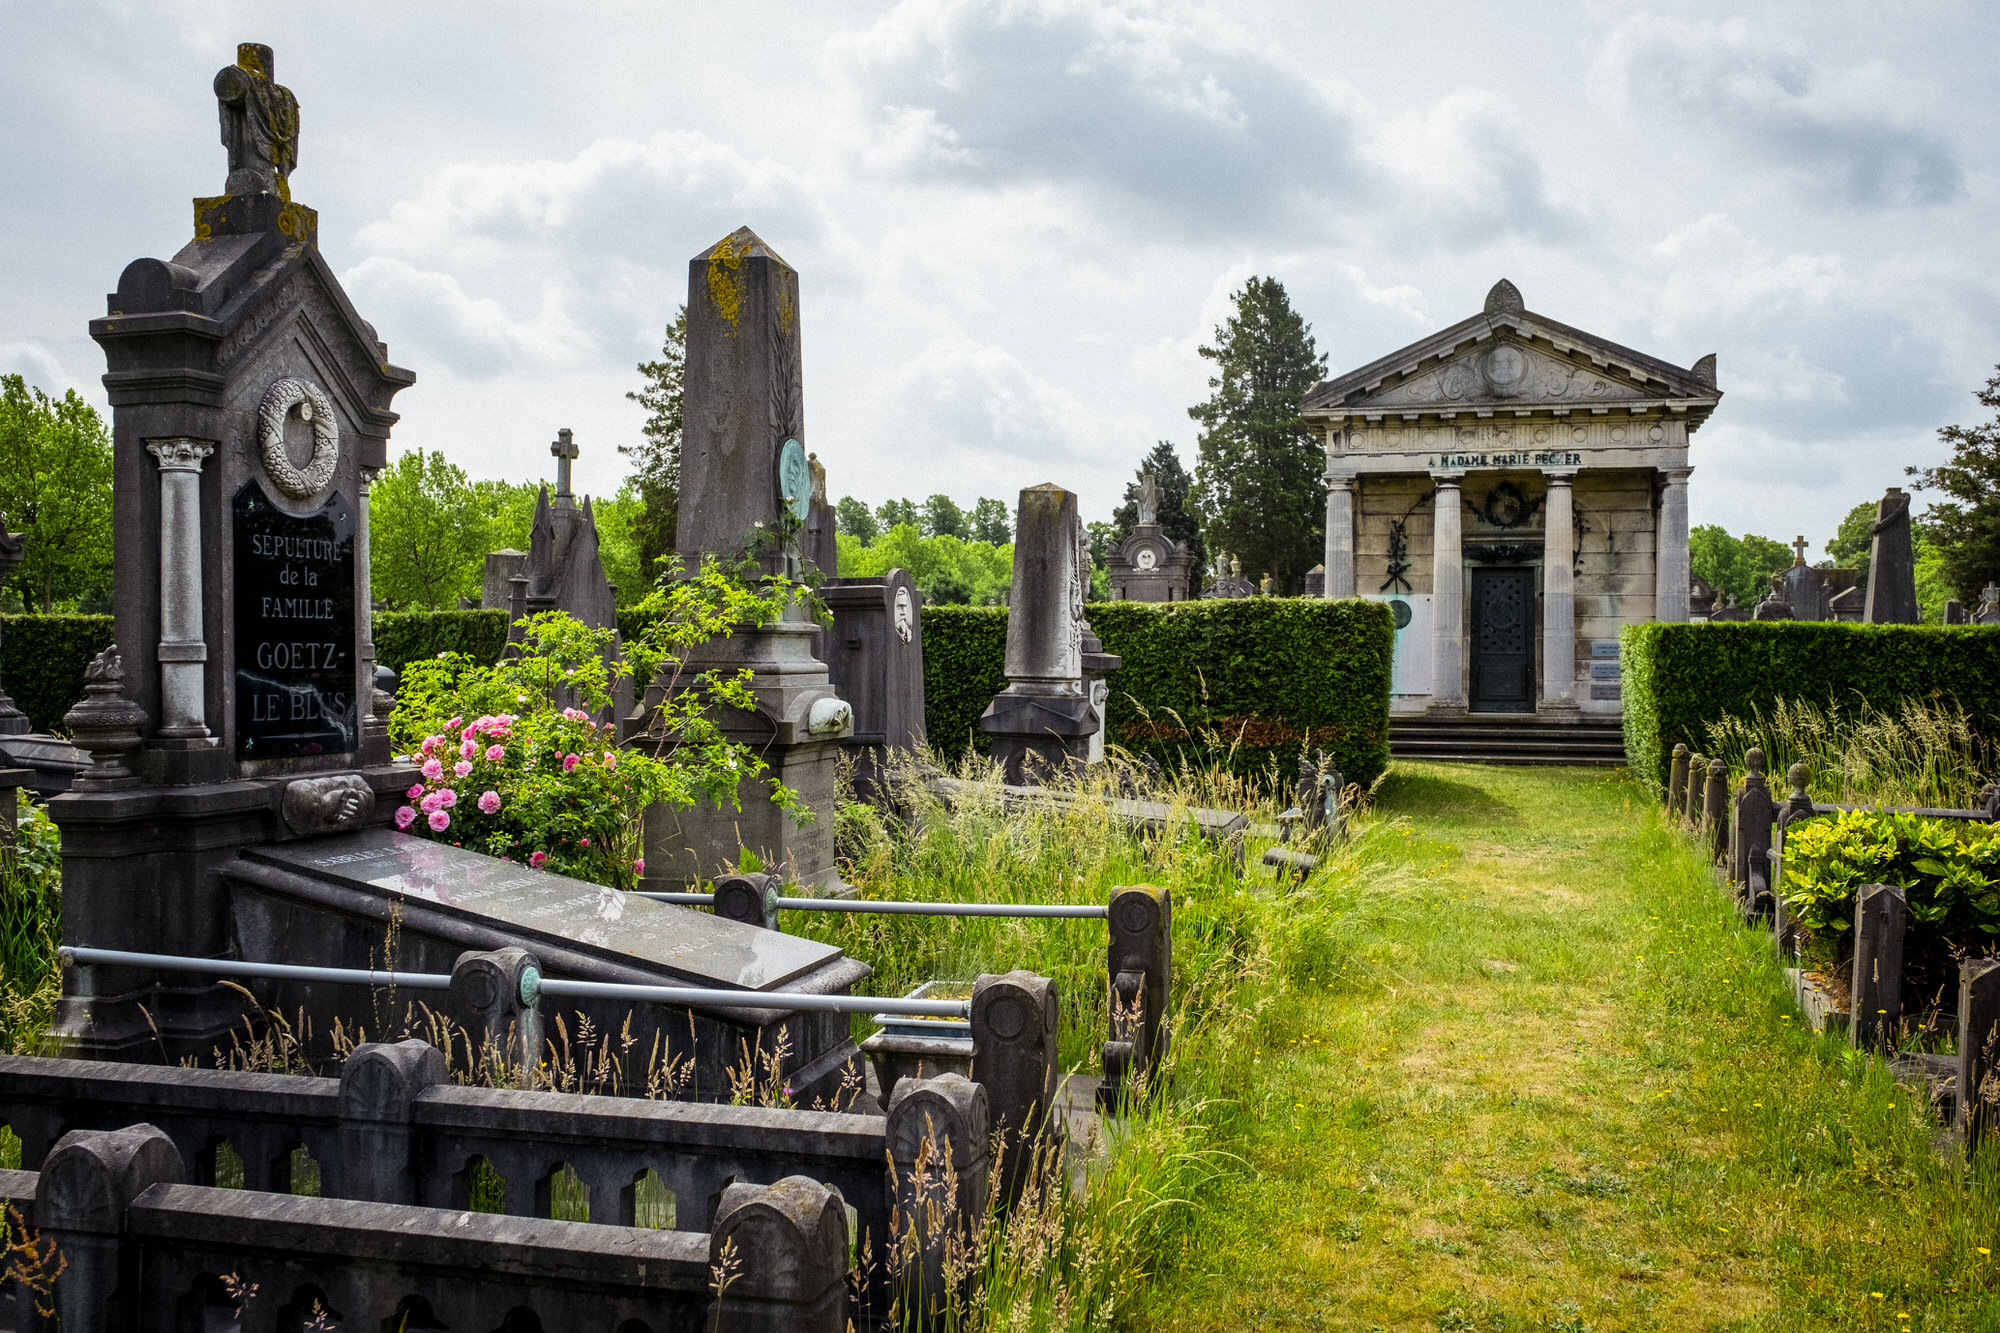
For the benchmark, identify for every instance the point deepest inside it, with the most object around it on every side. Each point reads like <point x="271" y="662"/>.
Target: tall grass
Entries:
<point x="1928" y="753"/>
<point x="30" y="928"/>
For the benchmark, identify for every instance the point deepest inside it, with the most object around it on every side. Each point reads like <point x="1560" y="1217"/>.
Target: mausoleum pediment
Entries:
<point x="1509" y="358"/>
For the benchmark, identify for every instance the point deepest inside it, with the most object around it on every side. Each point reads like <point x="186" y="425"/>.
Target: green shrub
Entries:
<point x="402" y="637"/>
<point x="1680" y="678"/>
<point x="42" y="659"/>
<point x="30" y="926"/>
<point x="1255" y="678"/>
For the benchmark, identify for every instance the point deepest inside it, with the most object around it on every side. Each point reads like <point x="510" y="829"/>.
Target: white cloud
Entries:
<point x="39" y="367"/>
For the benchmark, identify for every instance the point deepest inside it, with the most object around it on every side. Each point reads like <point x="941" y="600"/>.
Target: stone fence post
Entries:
<point x="1690" y="807"/>
<point x="1014" y="1056"/>
<point x="1140" y="967"/>
<point x="1880" y="915"/>
<point x="87" y="1182"/>
<point x="1978" y="1046"/>
<point x="750" y="899"/>
<point x="777" y="1259"/>
<point x="1750" y="845"/>
<point x="1677" y="780"/>
<point x="496" y="997"/>
<point x="1715" y="812"/>
<point x="938" y="1185"/>
<point x="380" y="1082"/>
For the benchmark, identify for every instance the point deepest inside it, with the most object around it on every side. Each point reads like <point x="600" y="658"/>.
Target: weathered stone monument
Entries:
<point x="875" y="658"/>
<point x="1229" y="580"/>
<point x="746" y="490"/>
<point x="1892" y="565"/>
<point x="1042" y="723"/>
<point x="1149" y="566"/>
<point x="250" y="410"/>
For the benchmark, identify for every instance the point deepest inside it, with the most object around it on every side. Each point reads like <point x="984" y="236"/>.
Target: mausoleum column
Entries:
<point x="1559" y="596"/>
<point x="183" y="651"/>
<point x="1670" y="558"/>
<point x="1447" y="598"/>
<point x="1339" y="534"/>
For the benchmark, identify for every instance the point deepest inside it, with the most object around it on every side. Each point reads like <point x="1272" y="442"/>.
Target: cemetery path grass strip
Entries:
<point x="1558" y="1088"/>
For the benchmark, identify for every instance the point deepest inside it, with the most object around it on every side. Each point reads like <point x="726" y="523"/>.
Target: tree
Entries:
<point x="943" y="518"/>
<point x="894" y="513"/>
<point x="1736" y="567"/>
<point x="656" y="475"/>
<point x="990" y="522"/>
<point x="430" y="529"/>
<point x="1257" y="483"/>
<point x="1177" y="520"/>
<point x="1967" y="521"/>
<point x="55" y="487"/>
<point x="853" y="518"/>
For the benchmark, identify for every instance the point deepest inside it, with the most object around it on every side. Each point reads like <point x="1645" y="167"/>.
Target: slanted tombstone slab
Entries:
<point x="1892" y="565"/>
<point x="342" y="891"/>
<point x="250" y="410"/>
<point x="746" y="491"/>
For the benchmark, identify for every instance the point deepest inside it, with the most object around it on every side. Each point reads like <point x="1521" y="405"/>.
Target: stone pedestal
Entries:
<point x="1042" y="723"/>
<point x="1670" y="587"/>
<point x="1339" y="535"/>
<point x="1559" y="602"/>
<point x="1447" y="599"/>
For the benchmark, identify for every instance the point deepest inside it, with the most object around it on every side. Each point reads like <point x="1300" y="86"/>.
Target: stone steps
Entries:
<point x="1497" y="739"/>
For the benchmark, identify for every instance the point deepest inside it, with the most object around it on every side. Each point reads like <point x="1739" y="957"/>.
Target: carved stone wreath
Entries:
<point x="316" y="410"/>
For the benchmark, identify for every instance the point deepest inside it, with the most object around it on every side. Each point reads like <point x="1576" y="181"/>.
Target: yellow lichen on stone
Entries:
<point x="725" y="289"/>
<point x="246" y="59"/>
<point x="785" y="308"/>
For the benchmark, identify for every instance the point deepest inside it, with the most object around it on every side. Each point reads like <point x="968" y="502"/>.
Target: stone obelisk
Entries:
<point x="746" y="490"/>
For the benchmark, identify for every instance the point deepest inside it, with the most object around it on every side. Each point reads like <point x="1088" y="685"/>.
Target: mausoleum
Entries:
<point x="1517" y="489"/>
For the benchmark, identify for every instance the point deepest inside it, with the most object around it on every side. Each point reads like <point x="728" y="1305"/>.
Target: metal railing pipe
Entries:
<point x="1057" y="911"/>
<point x="234" y="967"/>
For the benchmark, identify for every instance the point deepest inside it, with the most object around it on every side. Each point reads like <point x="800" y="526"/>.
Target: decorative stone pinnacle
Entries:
<point x="180" y="453"/>
<point x="260" y="124"/>
<point x="106" y="724"/>
<point x="1797" y="777"/>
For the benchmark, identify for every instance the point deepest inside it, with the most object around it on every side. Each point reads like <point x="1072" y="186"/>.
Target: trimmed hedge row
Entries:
<point x="1262" y="678"/>
<point x="42" y="660"/>
<point x="407" y="636"/>
<point x="1679" y="678"/>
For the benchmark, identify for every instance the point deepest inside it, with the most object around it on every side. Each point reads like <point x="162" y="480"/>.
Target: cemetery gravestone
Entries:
<point x="1149" y="566"/>
<point x="1043" y="721"/>
<point x="250" y="411"/>
<point x="1892" y="566"/>
<point x="746" y="490"/>
<point x="875" y="657"/>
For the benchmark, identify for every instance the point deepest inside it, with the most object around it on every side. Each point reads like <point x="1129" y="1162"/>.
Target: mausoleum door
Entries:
<point x="1503" y="640"/>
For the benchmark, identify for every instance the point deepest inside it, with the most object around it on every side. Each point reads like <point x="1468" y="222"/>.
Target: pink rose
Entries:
<point x="440" y="821"/>
<point x="433" y="769"/>
<point x="462" y="767"/>
<point x="489" y="803"/>
<point x="454" y="724"/>
<point x="570" y="762"/>
<point x="610" y="760"/>
<point x="584" y="843"/>
<point x="406" y="817"/>
<point x="639" y="866"/>
<point x="447" y="798"/>
<point x="495" y="753"/>
<point x="432" y="801"/>
<point x="538" y="859"/>
<point x="471" y="746"/>
<point x="576" y="715"/>
<point x="415" y="792"/>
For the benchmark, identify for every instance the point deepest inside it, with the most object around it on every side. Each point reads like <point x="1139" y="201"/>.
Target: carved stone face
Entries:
<point x="1147" y="558"/>
<point x="905" y="614"/>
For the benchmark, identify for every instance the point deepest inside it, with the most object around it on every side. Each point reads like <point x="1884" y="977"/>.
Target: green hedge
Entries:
<point x="405" y="636"/>
<point x="1264" y="676"/>
<point x="1679" y="678"/>
<point x="42" y="660"/>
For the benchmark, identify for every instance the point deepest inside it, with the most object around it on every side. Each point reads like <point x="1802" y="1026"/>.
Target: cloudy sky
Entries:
<point x="1015" y="223"/>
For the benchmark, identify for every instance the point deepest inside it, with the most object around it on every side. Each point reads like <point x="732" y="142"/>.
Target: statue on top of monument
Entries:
<point x="1149" y="500"/>
<point x="260" y="124"/>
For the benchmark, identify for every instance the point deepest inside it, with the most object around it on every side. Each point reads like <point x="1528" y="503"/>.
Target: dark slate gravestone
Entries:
<point x="346" y="893"/>
<point x="294" y="621"/>
<point x="1892" y="565"/>
<point x="875" y="655"/>
<point x="250" y="410"/>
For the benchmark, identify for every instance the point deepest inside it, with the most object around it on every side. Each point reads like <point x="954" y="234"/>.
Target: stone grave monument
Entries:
<point x="1042" y="723"/>
<point x="1892" y="565"/>
<point x="250" y="411"/>
<point x="875" y="658"/>
<point x="1149" y="566"/>
<point x="746" y="489"/>
<point x="1229" y="580"/>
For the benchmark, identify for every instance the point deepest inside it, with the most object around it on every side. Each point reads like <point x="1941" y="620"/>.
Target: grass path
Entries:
<point x="1554" y="1086"/>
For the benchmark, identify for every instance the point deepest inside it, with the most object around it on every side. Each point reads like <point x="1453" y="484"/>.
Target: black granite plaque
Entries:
<point x="294" y="646"/>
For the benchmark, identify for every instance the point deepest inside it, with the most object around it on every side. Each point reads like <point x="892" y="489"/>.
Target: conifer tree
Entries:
<point x="656" y="471"/>
<point x="1967" y="529"/>
<point x="1258" y="485"/>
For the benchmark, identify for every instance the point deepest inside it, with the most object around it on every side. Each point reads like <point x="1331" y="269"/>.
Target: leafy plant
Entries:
<point x="1949" y="870"/>
<point x="30" y="925"/>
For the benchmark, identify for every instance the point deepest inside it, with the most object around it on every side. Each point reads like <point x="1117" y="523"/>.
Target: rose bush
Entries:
<point x="521" y="759"/>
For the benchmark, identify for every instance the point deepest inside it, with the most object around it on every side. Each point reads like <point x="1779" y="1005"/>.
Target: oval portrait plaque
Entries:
<point x="794" y="480"/>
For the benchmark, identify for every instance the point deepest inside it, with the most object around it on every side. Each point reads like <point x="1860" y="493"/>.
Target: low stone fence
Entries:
<point x="1743" y="832"/>
<point x="121" y="1244"/>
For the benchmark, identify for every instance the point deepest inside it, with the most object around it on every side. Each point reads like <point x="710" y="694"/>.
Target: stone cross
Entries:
<point x="564" y="450"/>
<point x="260" y="123"/>
<point x="1799" y="550"/>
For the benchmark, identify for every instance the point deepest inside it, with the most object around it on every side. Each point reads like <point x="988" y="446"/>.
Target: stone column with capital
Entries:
<point x="1559" y="598"/>
<point x="183" y="649"/>
<point x="1447" y="598"/>
<point x="1339" y="534"/>
<point x="1670" y="591"/>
